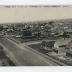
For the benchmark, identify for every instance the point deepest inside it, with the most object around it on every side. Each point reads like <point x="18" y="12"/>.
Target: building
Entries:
<point x="69" y="49"/>
<point x="69" y="54"/>
<point x="47" y="45"/>
<point x="61" y="45"/>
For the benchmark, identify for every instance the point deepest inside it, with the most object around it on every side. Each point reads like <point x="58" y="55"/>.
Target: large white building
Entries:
<point x="62" y="45"/>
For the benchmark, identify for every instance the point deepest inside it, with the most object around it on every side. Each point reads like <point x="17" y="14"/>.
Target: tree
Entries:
<point x="51" y="23"/>
<point x="65" y="35"/>
<point x="1" y="28"/>
<point x="43" y="43"/>
<point x="26" y="33"/>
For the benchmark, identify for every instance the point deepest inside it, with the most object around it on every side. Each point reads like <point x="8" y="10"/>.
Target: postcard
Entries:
<point x="35" y="35"/>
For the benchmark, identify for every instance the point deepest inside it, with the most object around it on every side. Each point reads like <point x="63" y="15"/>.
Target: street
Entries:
<point x="21" y="55"/>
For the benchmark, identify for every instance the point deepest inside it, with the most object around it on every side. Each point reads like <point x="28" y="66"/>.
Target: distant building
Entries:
<point x="69" y="31"/>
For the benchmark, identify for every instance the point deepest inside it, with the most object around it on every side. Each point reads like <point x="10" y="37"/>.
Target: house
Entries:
<point x="60" y="46"/>
<point x="69" y="54"/>
<point x="47" y="45"/>
<point x="69" y="50"/>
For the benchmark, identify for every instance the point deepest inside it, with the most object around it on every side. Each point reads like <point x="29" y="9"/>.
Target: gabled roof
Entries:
<point x="61" y="42"/>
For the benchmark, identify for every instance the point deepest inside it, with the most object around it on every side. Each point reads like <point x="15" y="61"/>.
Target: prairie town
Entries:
<point x="35" y="36"/>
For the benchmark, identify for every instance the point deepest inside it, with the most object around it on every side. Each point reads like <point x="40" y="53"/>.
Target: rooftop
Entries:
<point x="61" y="42"/>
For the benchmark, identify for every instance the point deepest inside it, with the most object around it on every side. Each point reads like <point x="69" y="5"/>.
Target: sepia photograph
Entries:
<point x="35" y="35"/>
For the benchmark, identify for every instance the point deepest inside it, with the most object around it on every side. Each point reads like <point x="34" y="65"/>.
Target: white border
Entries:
<point x="35" y="2"/>
<point x="36" y="69"/>
<point x="32" y="68"/>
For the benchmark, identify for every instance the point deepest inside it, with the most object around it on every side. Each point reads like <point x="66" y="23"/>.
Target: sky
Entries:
<point x="27" y="14"/>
